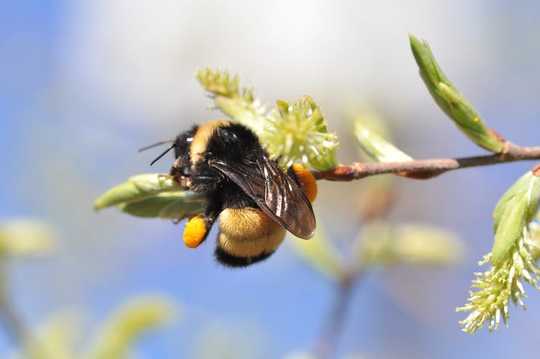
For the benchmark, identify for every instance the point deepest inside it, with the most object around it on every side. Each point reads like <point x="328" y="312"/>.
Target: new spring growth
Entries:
<point x="25" y="238"/>
<point x="451" y="101"/>
<point x="128" y="323"/>
<point x="292" y="133"/>
<point x="384" y="244"/>
<point x="373" y="144"/>
<point x="152" y="195"/>
<point x="239" y="103"/>
<point x="297" y="133"/>
<point x="59" y="337"/>
<point x="512" y="258"/>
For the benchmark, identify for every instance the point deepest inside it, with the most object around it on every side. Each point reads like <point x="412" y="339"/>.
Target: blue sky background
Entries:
<point x="84" y="84"/>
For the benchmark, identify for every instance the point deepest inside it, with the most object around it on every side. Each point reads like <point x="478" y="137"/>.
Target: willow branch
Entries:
<point x="428" y="168"/>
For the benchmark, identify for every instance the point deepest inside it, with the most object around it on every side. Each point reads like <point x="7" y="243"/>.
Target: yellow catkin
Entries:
<point x="307" y="181"/>
<point x="194" y="231"/>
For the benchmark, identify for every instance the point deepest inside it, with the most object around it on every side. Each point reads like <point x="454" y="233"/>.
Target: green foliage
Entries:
<point x="238" y="103"/>
<point x="297" y="133"/>
<point x="497" y="286"/>
<point x="25" y="238"/>
<point x="168" y="205"/>
<point x="383" y="245"/>
<point x="534" y="228"/>
<point x="292" y="133"/>
<point x="379" y="243"/>
<point x="514" y="211"/>
<point x="55" y="338"/>
<point x="367" y="130"/>
<point x="512" y="258"/>
<point x="219" y="83"/>
<point x="150" y="196"/>
<point x="128" y="324"/>
<point x="58" y="337"/>
<point x="136" y="188"/>
<point x="451" y="101"/>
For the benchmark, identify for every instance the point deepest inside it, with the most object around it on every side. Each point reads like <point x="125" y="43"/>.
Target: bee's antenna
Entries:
<point x="163" y="154"/>
<point x="155" y="145"/>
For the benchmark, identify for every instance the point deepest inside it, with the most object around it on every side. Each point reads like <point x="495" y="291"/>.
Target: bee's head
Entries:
<point x="181" y="145"/>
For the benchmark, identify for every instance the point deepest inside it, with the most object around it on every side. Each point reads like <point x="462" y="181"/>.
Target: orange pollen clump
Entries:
<point x="195" y="231"/>
<point x="307" y="181"/>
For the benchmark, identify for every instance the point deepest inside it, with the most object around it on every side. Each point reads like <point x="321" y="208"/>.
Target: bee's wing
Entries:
<point x="274" y="191"/>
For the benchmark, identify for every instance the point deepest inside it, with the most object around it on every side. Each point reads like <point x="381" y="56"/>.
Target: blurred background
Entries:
<point x="84" y="84"/>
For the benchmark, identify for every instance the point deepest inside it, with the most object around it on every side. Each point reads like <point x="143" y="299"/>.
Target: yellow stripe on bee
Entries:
<point x="307" y="181"/>
<point x="201" y="138"/>
<point x="195" y="231"/>
<point x="248" y="232"/>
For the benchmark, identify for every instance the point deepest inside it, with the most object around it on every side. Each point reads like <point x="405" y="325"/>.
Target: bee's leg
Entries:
<point x="197" y="228"/>
<point x="205" y="179"/>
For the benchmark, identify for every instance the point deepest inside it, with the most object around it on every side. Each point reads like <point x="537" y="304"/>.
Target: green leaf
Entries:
<point x="23" y="237"/>
<point x="509" y="231"/>
<point x="320" y="253"/>
<point x="135" y="189"/>
<point x="382" y="244"/>
<point x="514" y="211"/>
<point x="125" y="326"/>
<point x="517" y="189"/>
<point x="427" y="245"/>
<point x="451" y="101"/>
<point x="170" y="205"/>
<point x="55" y="338"/>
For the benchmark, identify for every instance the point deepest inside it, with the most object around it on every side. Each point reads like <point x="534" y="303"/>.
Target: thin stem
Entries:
<point x="328" y="342"/>
<point x="9" y="319"/>
<point x="425" y="169"/>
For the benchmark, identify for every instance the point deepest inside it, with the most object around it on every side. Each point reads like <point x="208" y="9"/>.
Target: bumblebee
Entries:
<point x="255" y="201"/>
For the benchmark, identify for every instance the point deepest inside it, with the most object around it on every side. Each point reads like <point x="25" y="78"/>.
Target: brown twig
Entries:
<point x="424" y="169"/>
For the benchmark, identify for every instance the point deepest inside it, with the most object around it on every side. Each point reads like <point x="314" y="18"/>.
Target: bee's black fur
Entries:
<point x="232" y="261"/>
<point x="232" y="144"/>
